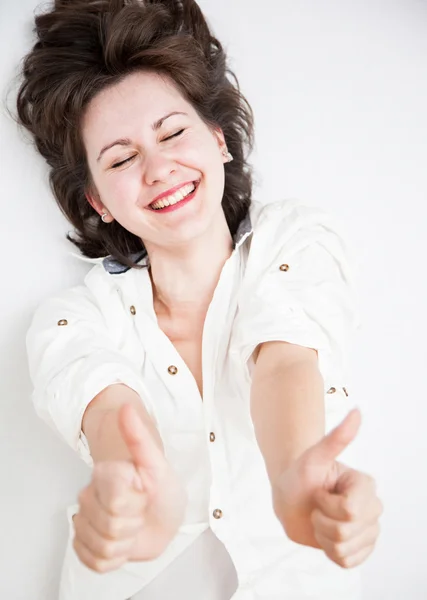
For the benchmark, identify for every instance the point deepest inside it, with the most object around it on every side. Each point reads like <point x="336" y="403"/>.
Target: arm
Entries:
<point x="100" y="424"/>
<point x="287" y="404"/>
<point x="287" y="409"/>
<point x="319" y="501"/>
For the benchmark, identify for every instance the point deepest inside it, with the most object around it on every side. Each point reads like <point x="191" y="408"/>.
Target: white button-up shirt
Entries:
<point x="288" y="278"/>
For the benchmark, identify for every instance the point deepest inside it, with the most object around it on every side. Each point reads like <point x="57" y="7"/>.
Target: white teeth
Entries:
<point x="174" y="198"/>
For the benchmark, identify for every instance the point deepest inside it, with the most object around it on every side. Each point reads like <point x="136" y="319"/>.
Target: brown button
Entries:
<point x="331" y="390"/>
<point x="212" y="436"/>
<point x="284" y="267"/>
<point x="133" y="310"/>
<point x="63" y="322"/>
<point x="217" y="513"/>
<point x="172" y="370"/>
<point x="345" y="391"/>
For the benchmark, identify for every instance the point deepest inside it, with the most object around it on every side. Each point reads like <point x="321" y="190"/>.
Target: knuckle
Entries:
<point x="345" y="562"/>
<point x="339" y="552"/>
<point x="116" y="504"/>
<point x="106" y="549"/>
<point x="349" y="510"/>
<point x="99" y="565"/>
<point x="340" y="533"/>
<point x="96" y="563"/>
<point x="83" y="496"/>
<point x="85" y="557"/>
<point x="113" y="528"/>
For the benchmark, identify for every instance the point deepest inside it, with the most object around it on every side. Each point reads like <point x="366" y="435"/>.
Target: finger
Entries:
<point x="143" y="449"/>
<point x="351" y="552"/>
<point x="350" y="481"/>
<point x="357" y="559"/>
<point x="331" y="446"/>
<point x="117" y="499"/>
<point x="358" y="502"/>
<point x="336" y="531"/>
<point x="92" y="562"/>
<point x="337" y="440"/>
<point x="100" y="547"/>
<point x="115" y="528"/>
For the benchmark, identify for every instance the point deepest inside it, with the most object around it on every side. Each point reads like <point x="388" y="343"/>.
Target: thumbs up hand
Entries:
<point x="325" y="504"/>
<point x="132" y="509"/>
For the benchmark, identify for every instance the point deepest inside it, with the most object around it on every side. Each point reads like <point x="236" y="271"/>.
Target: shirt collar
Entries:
<point x="115" y="267"/>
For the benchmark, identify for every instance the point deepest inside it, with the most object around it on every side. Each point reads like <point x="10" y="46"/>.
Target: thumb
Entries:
<point x="337" y="440"/>
<point x="145" y="453"/>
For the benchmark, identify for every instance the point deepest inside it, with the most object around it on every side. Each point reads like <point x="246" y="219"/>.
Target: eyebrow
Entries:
<point x="127" y="142"/>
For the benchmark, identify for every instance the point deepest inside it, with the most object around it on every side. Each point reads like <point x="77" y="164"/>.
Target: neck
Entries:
<point x="184" y="278"/>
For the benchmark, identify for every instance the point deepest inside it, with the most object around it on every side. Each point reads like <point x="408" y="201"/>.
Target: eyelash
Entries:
<point x="123" y="162"/>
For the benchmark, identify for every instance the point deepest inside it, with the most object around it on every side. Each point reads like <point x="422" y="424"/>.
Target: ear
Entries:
<point x="219" y="135"/>
<point x="94" y="201"/>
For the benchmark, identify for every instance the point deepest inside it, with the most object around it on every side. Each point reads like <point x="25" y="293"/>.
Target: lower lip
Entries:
<point x="178" y="205"/>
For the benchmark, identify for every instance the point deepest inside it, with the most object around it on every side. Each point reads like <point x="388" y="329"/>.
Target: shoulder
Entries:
<point x="292" y="222"/>
<point x="76" y="301"/>
<point x="290" y="211"/>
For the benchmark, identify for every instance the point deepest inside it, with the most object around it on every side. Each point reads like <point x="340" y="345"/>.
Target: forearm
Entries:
<point x="287" y="406"/>
<point x="100" y="423"/>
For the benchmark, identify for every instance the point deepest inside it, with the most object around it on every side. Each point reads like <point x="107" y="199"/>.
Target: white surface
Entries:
<point x="339" y="90"/>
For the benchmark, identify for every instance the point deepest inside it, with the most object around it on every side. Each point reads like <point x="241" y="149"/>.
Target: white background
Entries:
<point x="339" y="90"/>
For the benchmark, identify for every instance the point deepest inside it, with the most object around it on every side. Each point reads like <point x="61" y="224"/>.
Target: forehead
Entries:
<point x="141" y="95"/>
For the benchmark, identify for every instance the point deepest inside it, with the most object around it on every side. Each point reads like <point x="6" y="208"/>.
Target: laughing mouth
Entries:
<point x="176" y="197"/>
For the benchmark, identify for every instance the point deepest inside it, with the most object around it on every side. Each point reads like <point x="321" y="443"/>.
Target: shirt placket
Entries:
<point x="215" y="346"/>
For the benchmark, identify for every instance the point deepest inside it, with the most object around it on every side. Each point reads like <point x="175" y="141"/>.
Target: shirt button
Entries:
<point x="62" y="322"/>
<point x="331" y="390"/>
<point x="172" y="370"/>
<point x="212" y="436"/>
<point x="133" y="310"/>
<point x="217" y="513"/>
<point x="284" y="267"/>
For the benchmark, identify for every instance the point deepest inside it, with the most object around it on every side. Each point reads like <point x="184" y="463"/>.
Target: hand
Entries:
<point x="133" y="508"/>
<point x="325" y="504"/>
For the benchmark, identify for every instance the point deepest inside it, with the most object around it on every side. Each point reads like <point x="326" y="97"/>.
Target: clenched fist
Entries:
<point x="323" y="503"/>
<point x="132" y="509"/>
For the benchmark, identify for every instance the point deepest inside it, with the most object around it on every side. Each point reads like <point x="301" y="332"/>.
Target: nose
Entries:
<point x="158" y="167"/>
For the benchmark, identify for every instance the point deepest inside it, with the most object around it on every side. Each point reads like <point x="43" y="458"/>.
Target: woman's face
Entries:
<point x="138" y="149"/>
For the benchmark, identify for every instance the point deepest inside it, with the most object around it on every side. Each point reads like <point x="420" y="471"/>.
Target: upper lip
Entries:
<point x="171" y="191"/>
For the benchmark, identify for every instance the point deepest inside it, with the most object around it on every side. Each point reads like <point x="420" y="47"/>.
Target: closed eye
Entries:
<point x="178" y="133"/>
<point x="119" y="164"/>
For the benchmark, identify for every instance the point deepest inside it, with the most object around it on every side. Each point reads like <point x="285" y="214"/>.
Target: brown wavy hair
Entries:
<point x="85" y="46"/>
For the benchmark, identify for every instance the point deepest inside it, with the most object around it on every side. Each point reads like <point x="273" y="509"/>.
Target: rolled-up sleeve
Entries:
<point x="299" y="286"/>
<point x="72" y="358"/>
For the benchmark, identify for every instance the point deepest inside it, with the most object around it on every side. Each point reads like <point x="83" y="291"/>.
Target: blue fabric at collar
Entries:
<point x="114" y="267"/>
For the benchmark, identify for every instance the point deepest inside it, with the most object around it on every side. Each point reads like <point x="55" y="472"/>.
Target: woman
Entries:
<point x="199" y="365"/>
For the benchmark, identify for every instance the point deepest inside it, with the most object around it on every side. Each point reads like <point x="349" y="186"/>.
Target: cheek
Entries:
<point x="120" y="188"/>
<point x="201" y="152"/>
